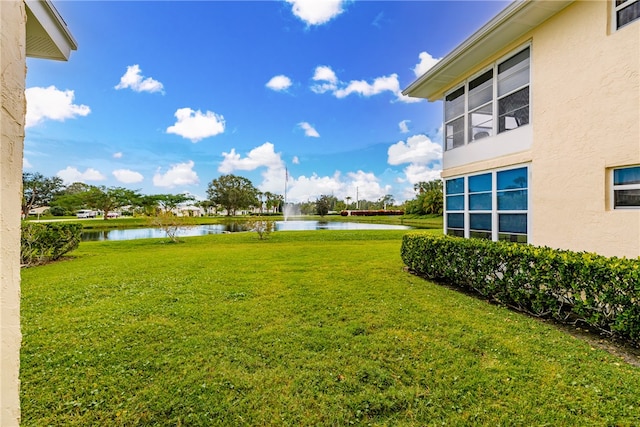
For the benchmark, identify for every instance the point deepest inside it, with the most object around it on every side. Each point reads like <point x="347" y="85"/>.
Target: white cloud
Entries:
<point x="302" y="188"/>
<point x="309" y="130"/>
<point x="262" y="156"/>
<point x="178" y="174"/>
<point x="418" y="149"/>
<point x="316" y="12"/>
<point x="53" y="104"/>
<point x="195" y="125"/>
<point x="305" y="188"/>
<point x="327" y="77"/>
<point x="117" y="155"/>
<point x="379" y="85"/>
<point x="26" y="164"/>
<point x="404" y="126"/>
<point x="127" y="176"/>
<point x="366" y="186"/>
<point x="134" y="80"/>
<point x="279" y="83"/>
<point x="330" y="83"/>
<point x="295" y="160"/>
<point x="417" y="173"/>
<point x="426" y="62"/>
<point x="424" y="158"/>
<point x="70" y="175"/>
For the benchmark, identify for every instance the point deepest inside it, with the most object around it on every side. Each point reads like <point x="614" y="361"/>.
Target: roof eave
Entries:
<point x="48" y="36"/>
<point x="514" y="21"/>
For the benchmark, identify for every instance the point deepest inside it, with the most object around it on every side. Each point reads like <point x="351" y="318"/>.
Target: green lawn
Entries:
<point x="306" y="328"/>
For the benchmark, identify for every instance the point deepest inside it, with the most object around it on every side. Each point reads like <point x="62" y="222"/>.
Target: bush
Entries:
<point x="57" y="211"/>
<point x="40" y="242"/>
<point x="262" y="226"/>
<point x="568" y="286"/>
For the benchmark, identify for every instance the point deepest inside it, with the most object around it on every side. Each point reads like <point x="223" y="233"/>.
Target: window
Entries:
<point x="481" y="107"/>
<point x="512" y="195"/>
<point x="454" y="201"/>
<point x="625" y="12"/>
<point x="480" y="202"/>
<point x="454" y="119"/>
<point x="492" y="205"/>
<point x="626" y="188"/>
<point x="496" y="101"/>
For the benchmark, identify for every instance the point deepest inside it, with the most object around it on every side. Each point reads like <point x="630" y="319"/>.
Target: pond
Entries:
<point x="201" y="230"/>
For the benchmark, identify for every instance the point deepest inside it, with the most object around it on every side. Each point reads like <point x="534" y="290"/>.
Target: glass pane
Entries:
<point x="480" y="235"/>
<point x="512" y="200"/>
<point x="455" y="220"/>
<point x="480" y="222"/>
<point x="626" y="198"/>
<point x="454" y="232"/>
<point x="478" y="183"/>
<point x="512" y="223"/>
<point x="454" y="104"/>
<point x="628" y="14"/>
<point x="626" y="176"/>
<point x="514" y="238"/>
<point x="455" y="133"/>
<point x="480" y="202"/>
<point x="455" y="186"/>
<point x="455" y="203"/>
<point x="518" y="58"/>
<point x="512" y="179"/>
<point x="481" y="123"/>
<point x="481" y="90"/>
<point x="513" y="73"/>
<point x="513" y="110"/>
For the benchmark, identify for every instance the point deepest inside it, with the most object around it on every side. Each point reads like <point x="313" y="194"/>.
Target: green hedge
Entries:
<point x="42" y="242"/>
<point x="568" y="286"/>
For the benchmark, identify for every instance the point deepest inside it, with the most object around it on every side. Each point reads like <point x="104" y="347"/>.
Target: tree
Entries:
<point x="170" y="224"/>
<point x="348" y="199"/>
<point x="171" y="201"/>
<point x="232" y="192"/>
<point x="429" y="199"/>
<point x="108" y="199"/>
<point x="323" y="204"/>
<point x="38" y="190"/>
<point x="70" y="199"/>
<point x="387" y="199"/>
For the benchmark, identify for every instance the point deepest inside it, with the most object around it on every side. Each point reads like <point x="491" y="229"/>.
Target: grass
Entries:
<point x="306" y="328"/>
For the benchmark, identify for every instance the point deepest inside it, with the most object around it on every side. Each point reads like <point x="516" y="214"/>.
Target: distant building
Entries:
<point x="541" y="127"/>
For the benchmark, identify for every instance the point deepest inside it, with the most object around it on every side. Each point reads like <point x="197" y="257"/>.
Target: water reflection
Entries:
<point x="230" y="227"/>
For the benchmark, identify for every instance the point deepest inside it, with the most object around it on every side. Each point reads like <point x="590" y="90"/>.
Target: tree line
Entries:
<point x="229" y="193"/>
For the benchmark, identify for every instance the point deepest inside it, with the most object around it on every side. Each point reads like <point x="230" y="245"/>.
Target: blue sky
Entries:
<point x="164" y="97"/>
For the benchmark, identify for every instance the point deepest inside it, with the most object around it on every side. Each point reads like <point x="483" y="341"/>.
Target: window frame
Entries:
<point x="468" y="137"/>
<point x="614" y="187"/>
<point x="615" y="8"/>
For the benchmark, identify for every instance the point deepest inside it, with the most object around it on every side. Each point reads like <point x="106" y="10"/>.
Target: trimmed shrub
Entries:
<point x="43" y="242"/>
<point x="568" y="286"/>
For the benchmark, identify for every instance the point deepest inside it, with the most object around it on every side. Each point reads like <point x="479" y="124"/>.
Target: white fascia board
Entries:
<point x="47" y="34"/>
<point x="514" y="21"/>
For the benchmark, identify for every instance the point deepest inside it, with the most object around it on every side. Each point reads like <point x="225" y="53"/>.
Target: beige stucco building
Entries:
<point x="542" y="126"/>
<point x="27" y="28"/>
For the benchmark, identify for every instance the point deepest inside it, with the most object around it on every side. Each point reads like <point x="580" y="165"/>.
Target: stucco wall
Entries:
<point x="586" y="105"/>
<point x="12" y="112"/>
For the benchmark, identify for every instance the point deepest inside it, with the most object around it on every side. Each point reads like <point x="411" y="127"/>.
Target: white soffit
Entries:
<point x="514" y="21"/>
<point x="47" y="34"/>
